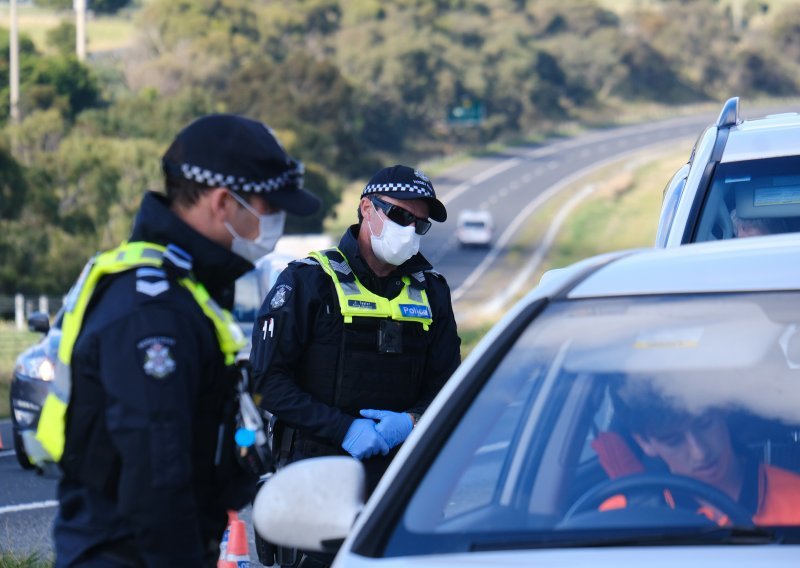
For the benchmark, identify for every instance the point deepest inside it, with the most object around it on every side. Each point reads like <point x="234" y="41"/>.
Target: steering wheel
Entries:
<point x="646" y="482"/>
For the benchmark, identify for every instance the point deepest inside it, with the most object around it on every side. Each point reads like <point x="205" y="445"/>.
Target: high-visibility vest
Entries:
<point x="355" y="300"/>
<point x="48" y="444"/>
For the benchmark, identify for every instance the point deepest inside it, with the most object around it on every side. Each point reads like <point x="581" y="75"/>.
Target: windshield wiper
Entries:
<point x="713" y="535"/>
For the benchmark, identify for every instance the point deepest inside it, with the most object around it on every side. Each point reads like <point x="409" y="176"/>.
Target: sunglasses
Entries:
<point x="401" y="216"/>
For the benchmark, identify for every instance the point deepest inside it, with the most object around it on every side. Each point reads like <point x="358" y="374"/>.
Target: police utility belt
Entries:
<point x="46" y="447"/>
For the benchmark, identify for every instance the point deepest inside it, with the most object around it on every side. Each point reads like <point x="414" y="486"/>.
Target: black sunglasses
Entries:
<point x="401" y="216"/>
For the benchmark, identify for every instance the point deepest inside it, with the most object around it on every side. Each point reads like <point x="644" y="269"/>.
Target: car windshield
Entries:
<point x="474" y="224"/>
<point x="622" y="421"/>
<point x="751" y="198"/>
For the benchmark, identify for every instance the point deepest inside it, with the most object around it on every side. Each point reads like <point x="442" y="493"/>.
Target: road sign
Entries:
<point x="468" y="113"/>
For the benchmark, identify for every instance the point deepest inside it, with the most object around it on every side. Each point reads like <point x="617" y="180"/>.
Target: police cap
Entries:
<point x="243" y="155"/>
<point x="403" y="182"/>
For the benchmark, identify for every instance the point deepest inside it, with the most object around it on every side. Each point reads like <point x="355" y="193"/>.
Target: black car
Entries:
<point x="34" y="369"/>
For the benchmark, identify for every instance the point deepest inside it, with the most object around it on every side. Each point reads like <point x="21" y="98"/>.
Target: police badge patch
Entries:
<point x="158" y="362"/>
<point x="280" y="296"/>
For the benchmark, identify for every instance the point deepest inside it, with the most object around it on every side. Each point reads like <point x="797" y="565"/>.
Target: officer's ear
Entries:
<point x="220" y="204"/>
<point x="367" y="210"/>
<point x="363" y="207"/>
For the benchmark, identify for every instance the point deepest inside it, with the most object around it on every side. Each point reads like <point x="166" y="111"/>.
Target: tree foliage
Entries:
<point x="348" y="86"/>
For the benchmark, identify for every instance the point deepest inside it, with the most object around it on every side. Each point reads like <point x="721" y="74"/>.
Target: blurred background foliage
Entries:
<point x="349" y="86"/>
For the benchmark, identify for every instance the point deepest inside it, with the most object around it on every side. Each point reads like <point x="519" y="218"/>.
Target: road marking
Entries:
<point x="28" y="507"/>
<point x="6" y="453"/>
<point x="522" y="277"/>
<point x="480" y="178"/>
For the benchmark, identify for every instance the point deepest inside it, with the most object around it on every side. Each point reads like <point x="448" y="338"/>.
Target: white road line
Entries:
<point x="540" y="252"/>
<point x="480" y="178"/>
<point x="28" y="507"/>
<point x="6" y="453"/>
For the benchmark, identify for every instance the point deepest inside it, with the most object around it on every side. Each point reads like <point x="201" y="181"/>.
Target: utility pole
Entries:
<point x="13" y="58"/>
<point x="80" y="28"/>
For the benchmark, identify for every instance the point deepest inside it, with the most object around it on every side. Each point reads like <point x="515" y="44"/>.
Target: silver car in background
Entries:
<point x="742" y="180"/>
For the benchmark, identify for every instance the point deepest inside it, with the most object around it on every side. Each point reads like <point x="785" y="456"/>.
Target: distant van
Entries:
<point x="475" y="228"/>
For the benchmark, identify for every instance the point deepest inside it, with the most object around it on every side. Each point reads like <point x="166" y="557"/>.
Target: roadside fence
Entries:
<point x="18" y="307"/>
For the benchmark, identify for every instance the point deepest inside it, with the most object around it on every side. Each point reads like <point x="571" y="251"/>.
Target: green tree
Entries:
<point x="60" y="82"/>
<point x="13" y="186"/>
<point x="26" y="50"/>
<point x="62" y="38"/>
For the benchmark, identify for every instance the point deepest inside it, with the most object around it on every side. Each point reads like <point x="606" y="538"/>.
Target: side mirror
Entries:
<point x="39" y="321"/>
<point x="311" y="504"/>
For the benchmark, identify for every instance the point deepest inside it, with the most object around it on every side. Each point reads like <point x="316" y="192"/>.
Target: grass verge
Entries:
<point x="8" y="560"/>
<point x="104" y="33"/>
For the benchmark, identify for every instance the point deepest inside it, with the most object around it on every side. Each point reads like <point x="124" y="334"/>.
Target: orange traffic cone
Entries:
<point x="1" y="440"/>
<point x="233" y="549"/>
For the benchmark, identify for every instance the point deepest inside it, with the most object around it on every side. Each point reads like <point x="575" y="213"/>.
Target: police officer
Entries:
<point x="353" y="343"/>
<point x="148" y="347"/>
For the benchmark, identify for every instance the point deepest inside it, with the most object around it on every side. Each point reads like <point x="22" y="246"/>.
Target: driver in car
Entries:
<point x="700" y="446"/>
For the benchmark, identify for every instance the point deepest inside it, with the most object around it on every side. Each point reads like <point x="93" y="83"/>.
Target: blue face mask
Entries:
<point x="270" y="229"/>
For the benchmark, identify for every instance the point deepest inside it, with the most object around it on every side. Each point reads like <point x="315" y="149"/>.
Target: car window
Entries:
<point x="751" y="198"/>
<point x="474" y="224"/>
<point x="247" y="298"/>
<point x="577" y="434"/>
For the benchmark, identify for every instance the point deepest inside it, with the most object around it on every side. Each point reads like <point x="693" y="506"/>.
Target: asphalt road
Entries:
<point x="511" y="185"/>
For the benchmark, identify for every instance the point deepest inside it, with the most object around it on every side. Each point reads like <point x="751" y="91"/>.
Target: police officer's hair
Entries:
<point x="642" y="410"/>
<point x="182" y="191"/>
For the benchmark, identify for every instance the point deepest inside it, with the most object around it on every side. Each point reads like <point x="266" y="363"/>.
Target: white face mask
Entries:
<point x="396" y="244"/>
<point x="270" y="229"/>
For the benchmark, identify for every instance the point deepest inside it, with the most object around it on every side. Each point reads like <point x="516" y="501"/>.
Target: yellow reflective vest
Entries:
<point x="48" y="443"/>
<point x="411" y="304"/>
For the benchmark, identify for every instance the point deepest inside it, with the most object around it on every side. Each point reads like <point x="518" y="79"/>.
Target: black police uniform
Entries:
<point x="315" y="372"/>
<point x="140" y="486"/>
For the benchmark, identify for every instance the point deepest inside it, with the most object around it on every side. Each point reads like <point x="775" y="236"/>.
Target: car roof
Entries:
<point x="474" y="214"/>
<point x="734" y="265"/>
<point x="771" y="136"/>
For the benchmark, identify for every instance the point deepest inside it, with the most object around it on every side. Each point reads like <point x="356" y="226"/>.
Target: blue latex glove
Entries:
<point x="363" y="441"/>
<point x="393" y="426"/>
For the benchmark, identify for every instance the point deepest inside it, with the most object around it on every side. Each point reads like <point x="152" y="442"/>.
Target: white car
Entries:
<point x="252" y="287"/>
<point x="541" y="449"/>
<point x="742" y="180"/>
<point x="474" y="228"/>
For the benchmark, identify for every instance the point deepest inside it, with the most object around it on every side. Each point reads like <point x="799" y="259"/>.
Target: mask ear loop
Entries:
<point x="369" y="225"/>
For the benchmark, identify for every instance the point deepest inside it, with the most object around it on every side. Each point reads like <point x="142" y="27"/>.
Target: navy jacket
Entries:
<point x="301" y="304"/>
<point x="148" y="369"/>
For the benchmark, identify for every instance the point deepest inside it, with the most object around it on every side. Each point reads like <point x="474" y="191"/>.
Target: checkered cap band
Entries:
<point x="391" y="187"/>
<point x="293" y="177"/>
